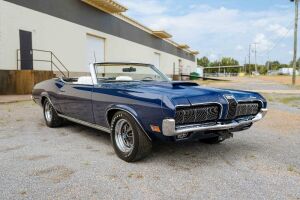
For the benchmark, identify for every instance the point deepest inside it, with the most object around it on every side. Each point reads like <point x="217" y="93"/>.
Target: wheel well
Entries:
<point x="43" y="100"/>
<point x="110" y="114"/>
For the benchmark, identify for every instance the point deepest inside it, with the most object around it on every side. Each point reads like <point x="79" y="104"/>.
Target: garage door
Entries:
<point x="95" y="49"/>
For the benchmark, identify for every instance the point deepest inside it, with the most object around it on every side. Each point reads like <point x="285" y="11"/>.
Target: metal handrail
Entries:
<point x="60" y="70"/>
<point x="60" y="62"/>
<point x="52" y="55"/>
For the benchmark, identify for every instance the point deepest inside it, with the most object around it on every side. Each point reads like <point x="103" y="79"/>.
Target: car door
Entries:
<point x="76" y="102"/>
<point x="102" y="98"/>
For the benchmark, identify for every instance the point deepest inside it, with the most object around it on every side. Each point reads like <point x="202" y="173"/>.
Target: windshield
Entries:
<point x="128" y="72"/>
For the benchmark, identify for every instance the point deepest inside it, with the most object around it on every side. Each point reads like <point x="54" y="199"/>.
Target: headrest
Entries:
<point x="85" y="80"/>
<point x="124" y="78"/>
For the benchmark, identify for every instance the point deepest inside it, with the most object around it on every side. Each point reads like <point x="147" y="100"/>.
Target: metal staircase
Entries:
<point x="43" y="56"/>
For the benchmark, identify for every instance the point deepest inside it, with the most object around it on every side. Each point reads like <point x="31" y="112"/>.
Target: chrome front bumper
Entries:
<point x="169" y="127"/>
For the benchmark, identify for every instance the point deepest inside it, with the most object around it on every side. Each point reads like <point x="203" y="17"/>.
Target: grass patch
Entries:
<point x="289" y="100"/>
<point x="291" y="168"/>
<point x="269" y="97"/>
<point x="87" y="163"/>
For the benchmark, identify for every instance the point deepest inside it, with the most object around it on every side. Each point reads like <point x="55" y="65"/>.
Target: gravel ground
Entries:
<point x="75" y="162"/>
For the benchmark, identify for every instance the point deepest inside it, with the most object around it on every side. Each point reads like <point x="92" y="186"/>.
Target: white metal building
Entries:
<point x="73" y="33"/>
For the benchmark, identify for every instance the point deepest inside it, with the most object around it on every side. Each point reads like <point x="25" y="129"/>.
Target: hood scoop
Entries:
<point x="178" y="84"/>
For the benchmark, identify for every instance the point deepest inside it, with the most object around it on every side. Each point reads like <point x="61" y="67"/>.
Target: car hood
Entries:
<point x="189" y="93"/>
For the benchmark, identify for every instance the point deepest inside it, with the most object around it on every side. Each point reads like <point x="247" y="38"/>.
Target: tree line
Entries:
<point x="229" y="61"/>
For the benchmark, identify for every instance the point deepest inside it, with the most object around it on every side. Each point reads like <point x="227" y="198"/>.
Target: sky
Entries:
<point x="223" y="27"/>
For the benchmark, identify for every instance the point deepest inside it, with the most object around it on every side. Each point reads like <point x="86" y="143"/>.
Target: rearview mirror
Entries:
<point x="129" y="69"/>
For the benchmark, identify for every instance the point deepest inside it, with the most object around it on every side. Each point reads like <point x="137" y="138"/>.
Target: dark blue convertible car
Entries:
<point x="137" y="104"/>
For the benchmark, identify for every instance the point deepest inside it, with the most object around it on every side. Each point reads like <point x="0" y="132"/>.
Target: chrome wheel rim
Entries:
<point x="48" y="112"/>
<point x="124" y="136"/>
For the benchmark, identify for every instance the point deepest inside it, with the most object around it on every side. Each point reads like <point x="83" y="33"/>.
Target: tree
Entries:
<point x="215" y="63"/>
<point x="273" y="65"/>
<point x="262" y="69"/>
<point x="228" y="61"/>
<point x="204" y="61"/>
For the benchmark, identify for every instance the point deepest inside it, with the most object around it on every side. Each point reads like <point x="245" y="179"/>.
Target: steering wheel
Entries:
<point x="148" y="78"/>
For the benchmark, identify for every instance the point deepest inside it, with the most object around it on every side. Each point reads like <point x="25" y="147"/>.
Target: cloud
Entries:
<point x="239" y="47"/>
<point x="216" y="30"/>
<point x="262" y="42"/>
<point x="213" y="56"/>
<point x="280" y="31"/>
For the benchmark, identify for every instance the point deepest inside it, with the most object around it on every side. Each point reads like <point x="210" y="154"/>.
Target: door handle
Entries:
<point x="62" y="90"/>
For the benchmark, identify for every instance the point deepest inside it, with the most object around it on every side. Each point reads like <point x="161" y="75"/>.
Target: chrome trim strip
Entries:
<point x="182" y="105"/>
<point x="169" y="128"/>
<point x="95" y="126"/>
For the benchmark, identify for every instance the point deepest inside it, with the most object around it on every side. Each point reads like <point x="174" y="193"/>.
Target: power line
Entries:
<point x="290" y="27"/>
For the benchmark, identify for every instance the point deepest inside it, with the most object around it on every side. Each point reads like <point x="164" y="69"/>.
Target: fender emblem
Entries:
<point x="229" y="96"/>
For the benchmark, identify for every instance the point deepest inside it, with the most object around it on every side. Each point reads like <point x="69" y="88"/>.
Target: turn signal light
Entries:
<point x="155" y="128"/>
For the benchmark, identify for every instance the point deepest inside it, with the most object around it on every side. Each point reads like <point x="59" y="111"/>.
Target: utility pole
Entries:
<point x="219" y="64"/>
<point x="245" y="65"/>
<point x="255" y="53"/>
<point x="268" y="63"/>
<point x="295" y="41"/>
<point x="249" y="67"/>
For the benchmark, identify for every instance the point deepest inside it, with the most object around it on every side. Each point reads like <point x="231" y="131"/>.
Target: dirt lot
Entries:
<point x="79" y="163"/>
<point x="281" y="79"/>
<point x="255" y="83"/>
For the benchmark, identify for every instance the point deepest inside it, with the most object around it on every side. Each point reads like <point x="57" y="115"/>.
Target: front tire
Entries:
<point x="50" y="115"/>
<point x="129" y="140"/>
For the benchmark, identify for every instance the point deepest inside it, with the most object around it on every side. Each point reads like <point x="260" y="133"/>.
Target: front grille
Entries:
<point x="198" y="114"/>
<point x="246" y="109"/>
<point x="242" y="109"/>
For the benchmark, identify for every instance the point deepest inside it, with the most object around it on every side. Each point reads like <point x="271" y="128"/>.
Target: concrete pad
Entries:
<point x="14" y="98"/>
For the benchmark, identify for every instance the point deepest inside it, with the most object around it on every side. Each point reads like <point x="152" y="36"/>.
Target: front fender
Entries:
<point x="128" y="110"/>
<point x="125" y="108"/>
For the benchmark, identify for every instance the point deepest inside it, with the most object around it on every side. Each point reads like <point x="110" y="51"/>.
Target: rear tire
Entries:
<point x="129" y="140"/>
<point x="50" y="115"/>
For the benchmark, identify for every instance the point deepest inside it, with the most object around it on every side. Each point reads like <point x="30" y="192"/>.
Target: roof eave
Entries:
<point x="162" y="34"/>
<point x="109" y="6"/>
